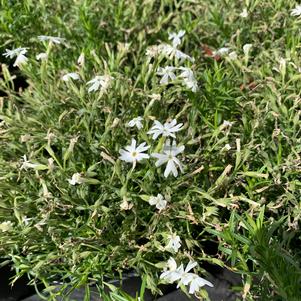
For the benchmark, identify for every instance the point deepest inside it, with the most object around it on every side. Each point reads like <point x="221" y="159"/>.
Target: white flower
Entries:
<point x="41" y="56"/>
<point x="246" y="48"/>
<point x="26" y="220"/>
<point x="185" y="275"/>
<point x="169" y="156"/>
<point x="222" y="51"/>
<point x="176" y="38"/>
<point x="197" y="282"/>
<point x="171" y="52"/>
<point x="192" y="279"/>
<point x="14" y="52"/>
<point x="81" y="59"/>
<point x="182" y="56"/>
<point x="99" y="83"/>
<point x="19" y="53"/>
<point x="55" y="40"/>
<point x="20" y="60"/>
<point x="26" y="164"/>
<point x="171" y="272"/>
<point x="159" y="201"/>
<point x="189" y="79"/>
<point x="133" y="154"/>
<point x="232" y="55"/>
<point x="296" y="11"/>
<point x="244" y="13"/>
<point x="168" y="129"/>
<point x="166" y="73"/>
<point x="68" y="76"/>
<point x="76" y="179"/>
<point x="174" y="243"/>
<point x="167" y="51"/>
<point x="6" y="226"/>
<point x="136" y="122"/>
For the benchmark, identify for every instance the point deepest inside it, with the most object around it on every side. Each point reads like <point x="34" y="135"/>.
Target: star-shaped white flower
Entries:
<point x="19" y="53"/>
<point x="20" y="60"/>
<point x="193" y="280"/>
<point x="169" y="157"/>
<point x="76" y="179"/>
<point x="158" y="201"/>
<point x="171" y="52"/>
<point x="189" y="79"/>
<point x="186" y="276"/>
<point x="137" y="121"/>
<point x="171" y="272"/>
<point x="168" y="129"/>
<point x="71" y="75"/>
<point x="196" y="282"/>
<point x="176" y="38"/>
<point x="14" y="52"/>
<point x="133" y="154"/>
<point x="99" y="82"/>
<point x="174" y="243"/>
<point x="182" y="56"/>
<point x="26" y="164"/>
<point x="296" y="11"/>
<point x="222" y="51"/>
<point x="55" y="40"/>
<point x="166" y="73"/>
<point x="42" y="56"/>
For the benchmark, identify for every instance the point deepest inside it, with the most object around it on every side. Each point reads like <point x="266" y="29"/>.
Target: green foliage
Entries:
<point x="246" y="198"/>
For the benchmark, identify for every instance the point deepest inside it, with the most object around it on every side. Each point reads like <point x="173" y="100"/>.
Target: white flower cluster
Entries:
<point x="133" y="153"/>
<point x="172" y="273"/>
<point x="167" y="73"/>
<point x="19" y="53"/>
<point x="168" y="156"/>
<point x="98" y="83"/>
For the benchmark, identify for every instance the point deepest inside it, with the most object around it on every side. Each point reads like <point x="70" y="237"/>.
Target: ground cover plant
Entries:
<point x="152" y="137"/>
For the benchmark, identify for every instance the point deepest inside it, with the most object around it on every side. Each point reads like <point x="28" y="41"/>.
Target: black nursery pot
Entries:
<point x="18" y="291"/>
<point x="131" y="285"/>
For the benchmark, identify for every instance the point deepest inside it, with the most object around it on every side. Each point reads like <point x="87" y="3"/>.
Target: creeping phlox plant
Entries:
<point x="154" y="138"/>
<point x="162" y="148"/>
